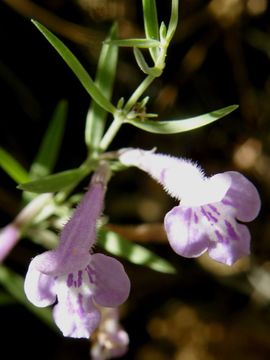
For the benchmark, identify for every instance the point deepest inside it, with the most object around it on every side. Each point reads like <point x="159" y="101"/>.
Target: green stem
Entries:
<point x="110" y="133"/>
<point x="138" y="92"/>
<point x="118" y="120"/>
<point x="159" y="65"/>
<point x="173" y="20"/>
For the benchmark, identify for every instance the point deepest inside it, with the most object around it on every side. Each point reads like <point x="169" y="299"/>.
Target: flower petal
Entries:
<point x="77" y="317"/>
<point x="112" y="282"/>
<point x="59" y="262"/>
<point x="229" y="240"/>
<point x="75" y="314"/>
<point x="228" y="250"/>
<point x="39" y="288"/>
<point x="243" y="196"/>
<point x="209" y="190"/>
<point x="186" y="236"/>
<point x="77" y="236"/>
<point x="216" y="187"/>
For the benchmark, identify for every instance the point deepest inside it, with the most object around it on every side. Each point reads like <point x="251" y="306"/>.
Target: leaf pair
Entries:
<point x="101" y="89"/>
<point x="178" y="126"/>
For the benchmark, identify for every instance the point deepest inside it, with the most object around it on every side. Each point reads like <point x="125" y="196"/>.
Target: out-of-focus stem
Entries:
<point x="10" y="234"/>
<point x="144" y="233"/>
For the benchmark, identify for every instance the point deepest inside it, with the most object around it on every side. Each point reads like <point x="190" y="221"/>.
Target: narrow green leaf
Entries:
<point x="136" y="254"/>
<point x="96" y="117"/>
<point x="151" y="24"/>
<point x="51" y="143"/>
<point x="13" y="283"/>
<point x="141" y="61"/>
<point x="162" y="31"/>
<point x="12" y="167"/>
<point x="76" y="67"/>
<point x="55" y="182"/>
<point x="143" y="64"/>
<point x="178" y="126"/>
<point x="173" y="20"/>
<point x="6" y="299"/>
<point x="139" y="43"/>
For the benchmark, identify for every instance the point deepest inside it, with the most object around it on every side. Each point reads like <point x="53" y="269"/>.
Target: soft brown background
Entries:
<point x="219" y="56"/>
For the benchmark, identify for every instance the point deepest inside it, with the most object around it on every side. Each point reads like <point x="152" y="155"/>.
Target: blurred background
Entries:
<point x="220" y="55"/>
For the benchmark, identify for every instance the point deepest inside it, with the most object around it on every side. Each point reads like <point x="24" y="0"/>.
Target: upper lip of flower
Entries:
<point x="209" y="190"/>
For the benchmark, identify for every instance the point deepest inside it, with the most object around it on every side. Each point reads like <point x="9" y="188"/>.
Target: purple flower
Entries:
<point x="210" y="209"/>
<point x="9" y="236"/>
<point x="77" y="279"/>
<point x="110" y="340"/>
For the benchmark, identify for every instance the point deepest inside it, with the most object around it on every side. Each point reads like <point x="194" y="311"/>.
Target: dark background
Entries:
<point x="219" y="56"/>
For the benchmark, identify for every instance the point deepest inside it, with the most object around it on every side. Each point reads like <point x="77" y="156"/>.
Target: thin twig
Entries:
<point x="145" y="233"/>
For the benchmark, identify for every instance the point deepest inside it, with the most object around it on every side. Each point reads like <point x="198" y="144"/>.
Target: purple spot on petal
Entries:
<point x="204" y="213"/>
<point x="196" y="219"/>
<point x="220" y="237"/>
<point x="70" y="280"/>
<point x="214" y="209"/>
<point x="91" y="274"/>
<point x="212" y="218"/>
<point x="230" y="230"/>
<point x="79" y="281"/>
<point x="208" y="215"/>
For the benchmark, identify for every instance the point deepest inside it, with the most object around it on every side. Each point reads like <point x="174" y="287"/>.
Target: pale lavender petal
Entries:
<point x="112" y="282"/>
<point x="228" y="248"/>
<point x="229" y="240"/>
<point x="39" y="288"/>
<point x="208" y="190"/>
<point x="77" y="317"/>
<point x="75" y="314"/>
<point x="243" y="196"/>
<point x="215" y="188"/>
<point x="186" y="235"/>
<point x="57" y="262"/>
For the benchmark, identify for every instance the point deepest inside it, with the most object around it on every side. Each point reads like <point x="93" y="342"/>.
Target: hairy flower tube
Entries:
<point x="79" y="280"/>
<point x="110" y="340"/>
<point x="211" y="210"/>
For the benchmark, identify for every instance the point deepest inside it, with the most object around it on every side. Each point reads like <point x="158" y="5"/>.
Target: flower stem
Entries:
<point x="110" y="133"/>
<point x="138" y="92"/>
